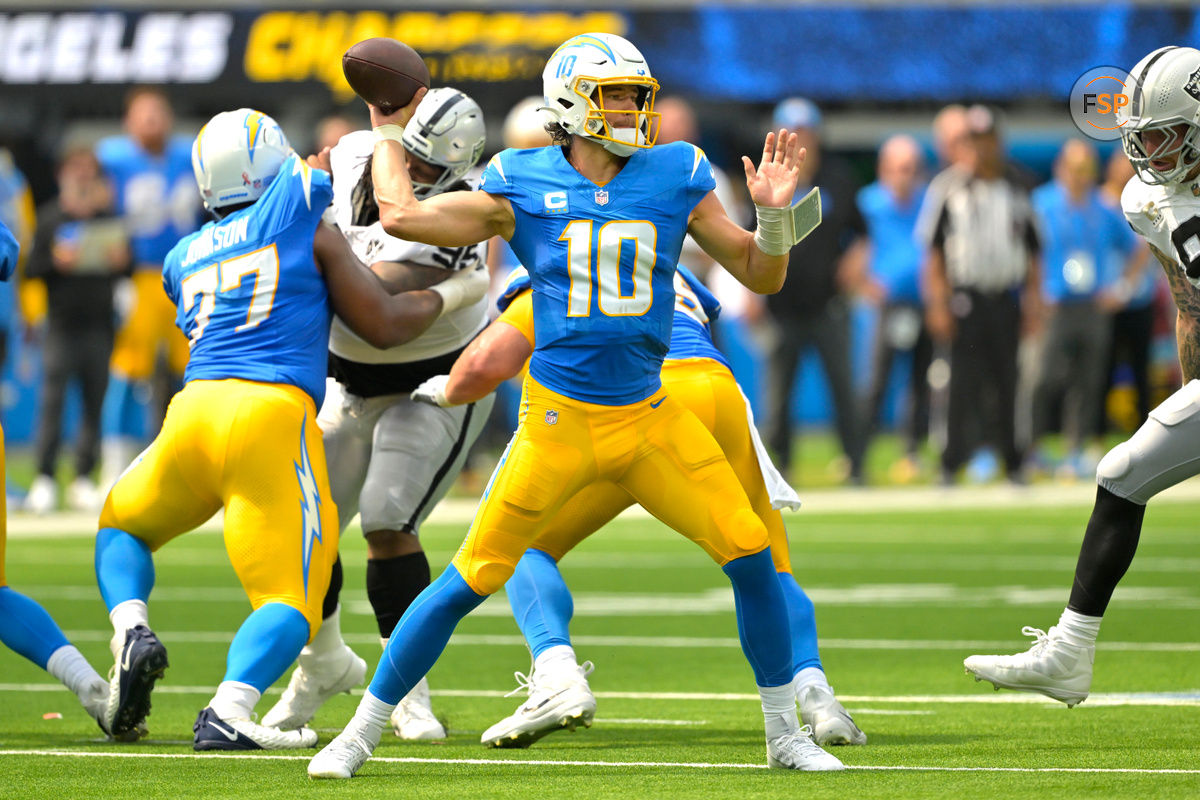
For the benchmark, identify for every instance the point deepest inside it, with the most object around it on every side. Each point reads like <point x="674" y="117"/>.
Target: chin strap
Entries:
<point x="780" y="229"/>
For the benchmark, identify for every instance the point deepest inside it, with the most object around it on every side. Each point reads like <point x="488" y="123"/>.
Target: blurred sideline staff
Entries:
<point x="79" y="250"/>
<point x="151" y="171"/>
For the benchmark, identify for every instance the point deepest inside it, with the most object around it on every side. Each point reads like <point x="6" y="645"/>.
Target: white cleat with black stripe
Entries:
<point x="214" y="733"/>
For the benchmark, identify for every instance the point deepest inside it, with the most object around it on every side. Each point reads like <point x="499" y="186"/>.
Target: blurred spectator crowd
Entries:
<point x="1009" y="325"/>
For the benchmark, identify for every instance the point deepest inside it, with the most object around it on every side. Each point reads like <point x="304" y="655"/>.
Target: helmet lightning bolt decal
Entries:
<point x="253" y="124"/>
<point x="585" y="39"/>
<point x="200" y="147"/>
<point x="310" y="505"/>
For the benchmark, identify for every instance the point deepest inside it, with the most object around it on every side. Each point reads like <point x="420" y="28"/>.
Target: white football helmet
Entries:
<point x="1164" y="92"/>
<point x="447" y="131"/>
<point x="235" y="157"/>
<point x="574" y="80"/>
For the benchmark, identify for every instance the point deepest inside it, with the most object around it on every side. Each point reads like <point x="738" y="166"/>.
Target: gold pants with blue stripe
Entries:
<point x="253" y="449"/>
<point x="706" y="388"/>
<point x="655" y="450"/>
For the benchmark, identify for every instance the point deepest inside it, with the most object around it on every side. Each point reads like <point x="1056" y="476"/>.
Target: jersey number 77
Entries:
<point x="226" y="276"/>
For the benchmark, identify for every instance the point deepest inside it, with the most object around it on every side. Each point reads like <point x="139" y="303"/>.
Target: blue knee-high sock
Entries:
<point x="421" y="635"/>
<point x="266" y="644"/>
<point x="27" y="628"/>
<point x="124" y="567"/>
<point x="762" y="618"/>
<point x="541" y="603"/>
<point x="802" y="619"/>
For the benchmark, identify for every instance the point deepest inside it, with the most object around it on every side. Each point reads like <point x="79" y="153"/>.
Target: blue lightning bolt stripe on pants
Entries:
<point x="223" y="445"/>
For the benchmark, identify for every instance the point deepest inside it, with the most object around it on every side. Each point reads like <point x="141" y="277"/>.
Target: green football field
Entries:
<point x="902" y="596"/>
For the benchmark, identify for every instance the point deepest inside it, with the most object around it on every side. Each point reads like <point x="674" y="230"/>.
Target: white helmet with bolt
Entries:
<point x="573" y="83"/>
<point x="236" y="156"/>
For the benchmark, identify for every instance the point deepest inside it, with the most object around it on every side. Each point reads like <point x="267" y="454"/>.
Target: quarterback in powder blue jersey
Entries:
<point x="598" y="220"/>
<point x="256" y="306"/>
<point x="696" y="374"/>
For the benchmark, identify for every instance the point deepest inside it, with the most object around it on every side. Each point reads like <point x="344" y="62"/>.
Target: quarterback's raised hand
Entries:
<point x="396" y="116"/>
<point x="773" y="183"/>
<point x="433" y="392"/>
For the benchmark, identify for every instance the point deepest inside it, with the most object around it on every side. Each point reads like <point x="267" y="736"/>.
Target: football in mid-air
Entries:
<point x="385" y="72"/>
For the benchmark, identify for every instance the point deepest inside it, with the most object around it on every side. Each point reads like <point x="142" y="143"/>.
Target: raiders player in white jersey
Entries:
<point x="392" y="459"/>
<point x="1161" y="137"/>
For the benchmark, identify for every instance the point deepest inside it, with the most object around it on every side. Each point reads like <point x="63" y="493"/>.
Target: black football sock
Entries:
<point x="392" y="585"/>
<point x="1108" y="547"/>
<point x="334" y="592"/>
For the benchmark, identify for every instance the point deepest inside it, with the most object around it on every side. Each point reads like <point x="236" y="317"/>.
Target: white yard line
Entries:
<point x="528" y="762"/>
<point x="717" y="600"/>
<point x="674" y="642"/>
<point x="1183" y="698"/>
<point x="460" y="511"/>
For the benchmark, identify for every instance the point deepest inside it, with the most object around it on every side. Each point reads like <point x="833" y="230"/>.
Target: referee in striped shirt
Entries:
<point x="982" y="285"/>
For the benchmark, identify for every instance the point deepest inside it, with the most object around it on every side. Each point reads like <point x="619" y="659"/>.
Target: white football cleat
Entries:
<point x="830" y="722"/>
<point x="413" y="719"/>
<point x="313" y="682"/>
<point x="1052" y="667"/>
<point x="345" y="755"/>
<point x="797" y="750"/>
<point x="214" y="733"/>
<point x="557" y="700"/>
<point x="84" y="495"/>
<point x="43" y="496"/>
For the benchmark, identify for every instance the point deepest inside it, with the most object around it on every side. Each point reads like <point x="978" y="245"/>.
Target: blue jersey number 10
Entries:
<point x="607" y="263"/>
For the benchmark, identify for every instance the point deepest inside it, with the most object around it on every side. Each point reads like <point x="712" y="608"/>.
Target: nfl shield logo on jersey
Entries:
<point x="551" y="416"/>
<point x="601" y="197"/>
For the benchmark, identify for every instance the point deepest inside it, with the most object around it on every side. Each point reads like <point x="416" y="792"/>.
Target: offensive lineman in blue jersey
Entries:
<point x="151" y="170"/>
<point x="599" y="222"/>
<point x="242" y="434"/>
<point x="697" y="374"/>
